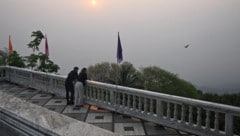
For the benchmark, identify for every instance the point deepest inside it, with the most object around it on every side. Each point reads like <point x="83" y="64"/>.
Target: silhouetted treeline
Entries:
<point x="229" y="99"/>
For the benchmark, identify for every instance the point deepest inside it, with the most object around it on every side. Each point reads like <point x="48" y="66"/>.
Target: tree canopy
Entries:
<point x="149" y="78"/>
<point x="37" y="60"/>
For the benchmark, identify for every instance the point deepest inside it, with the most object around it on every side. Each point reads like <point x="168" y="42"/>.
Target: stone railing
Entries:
<point x="190" y="115"/>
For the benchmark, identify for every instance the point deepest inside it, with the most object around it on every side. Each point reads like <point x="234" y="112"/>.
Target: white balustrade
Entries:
<point x="190" y="115"/>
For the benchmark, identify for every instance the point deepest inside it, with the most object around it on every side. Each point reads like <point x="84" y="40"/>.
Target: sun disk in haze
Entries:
<point x="94" y="2"/>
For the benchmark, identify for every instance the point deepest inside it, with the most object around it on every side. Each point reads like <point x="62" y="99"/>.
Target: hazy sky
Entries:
<point x="153" y="33"/>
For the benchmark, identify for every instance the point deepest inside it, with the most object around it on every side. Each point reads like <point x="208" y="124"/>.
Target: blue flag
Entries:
<point x="119" y="51"/>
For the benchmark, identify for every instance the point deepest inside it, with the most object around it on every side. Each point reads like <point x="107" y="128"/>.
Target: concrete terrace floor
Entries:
<point x="112" y="121"/>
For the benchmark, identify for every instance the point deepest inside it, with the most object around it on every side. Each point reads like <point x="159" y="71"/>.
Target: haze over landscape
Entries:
<point x="153" y="33"/>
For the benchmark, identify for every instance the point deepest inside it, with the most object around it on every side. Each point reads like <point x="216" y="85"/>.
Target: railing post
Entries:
<point x="159" y="108"/>
<point x="175" y="112"/>
<point x="128" y="101"/>
<point x="168" y="110"/>
<point x="151" y="106"/>
<point x="183" y="114"/>
<point x="190" y="115"/>
<point x="199" y="117"/>
<point x="134" y="102"/>
<point x="216" y="122"/>
<point x="145" y="105"/>
<point x="113" y="97"/>
<point x="207" y="122"/>
<point x="229" y="124"/>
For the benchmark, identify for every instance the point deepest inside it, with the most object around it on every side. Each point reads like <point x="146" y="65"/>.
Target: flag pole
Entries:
<point x="119" y="56"/>
<point x="119" y="60"/>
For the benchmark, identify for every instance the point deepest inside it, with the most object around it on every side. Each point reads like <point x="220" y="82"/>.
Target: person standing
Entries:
<point x="69" y="84"/>
<point x="79" y="87"/>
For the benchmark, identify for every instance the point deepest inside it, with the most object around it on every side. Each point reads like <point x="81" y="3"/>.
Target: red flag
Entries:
<point x="46" y="46"/>
<point x="10" y="48"/>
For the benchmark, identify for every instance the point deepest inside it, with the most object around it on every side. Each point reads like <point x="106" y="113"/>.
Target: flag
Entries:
<point x="119" y="51"/>
<point x="46" y="46"/>
<point x="10" y="48"/>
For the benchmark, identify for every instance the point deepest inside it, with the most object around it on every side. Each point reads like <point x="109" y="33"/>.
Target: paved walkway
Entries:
<point x="118" y="123"/>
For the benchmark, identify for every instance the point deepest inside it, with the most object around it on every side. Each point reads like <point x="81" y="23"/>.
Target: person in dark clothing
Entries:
<point x="83" y="76"/>
<point x="79" y="88"/>
<point x="69" y="84"/>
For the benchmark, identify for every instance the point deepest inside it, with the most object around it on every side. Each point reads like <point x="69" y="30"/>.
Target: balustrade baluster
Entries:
<point x="124" y="100"/>
<point x="168" y="110"/>
<point x="228" y="124"/>
<point x="115" y="97"/>
<point x="112" y="97"/>
<point x="175" y="111"/>
<point x="216" y="122"/>
<point x="91" y="92"/>
<point x="128" y="101"/>
<point x="207" y="125"/>
<point x="106" y="96"/>
<point x="102" y="95"/>
<point x="190" y="115"/>
<point x="159" y="108"/>
<point x="98" y="94"/>
<point x="151" y="106"/>
<point x="118" y="98"/>
<point x="95" y="93"/>
<point x="145" y="105"/>
<point x="134" y="102"/>
<point x="139" y="104"/>
<point x="199" y="117"/>
<point x="183" y="114"/>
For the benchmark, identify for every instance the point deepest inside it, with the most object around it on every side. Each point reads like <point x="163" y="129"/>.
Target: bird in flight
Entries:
<point x="186" y="45"/>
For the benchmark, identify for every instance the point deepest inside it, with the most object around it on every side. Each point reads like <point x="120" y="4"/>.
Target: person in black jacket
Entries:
<point x="83" y="76"/>
<point x="69" y="84"/>
<point x="79" y="88"/>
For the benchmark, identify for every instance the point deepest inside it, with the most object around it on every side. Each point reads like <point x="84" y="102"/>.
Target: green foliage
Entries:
<point x="1" y="61"/>
<point x="40" y="61"/>
<point x="46" y="65"/>
<point x="32" y="60"/>
<point x="159" y="80"/>
<point x="128" y="75"/>
<point x="3" y="56"/>
<point x="124" y="74"/>
<point x="100" y="72"/>
<point x="229" y="99"/>
<point x="149" y="78"/>
<point x="15" y="59"/>
<point x="34" y="44"/>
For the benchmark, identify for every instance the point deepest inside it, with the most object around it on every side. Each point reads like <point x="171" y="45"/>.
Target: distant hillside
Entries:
<point x="206" y="89"/>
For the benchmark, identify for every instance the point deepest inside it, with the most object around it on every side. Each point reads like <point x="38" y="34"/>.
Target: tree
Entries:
<point x="39" y="61"/>
<point x="47" y="65"/>
<point x="124" y="74"/>
<point x="14" y="59"/>
<point x="32" y="61"/>
<point x="128" y="75"/>
<point x="3" y="57"/>
<point x="159" y="80"/>
<point x="34" y="44"/>
<point x="100" y="72"/>
<point x="149" y="78"/>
